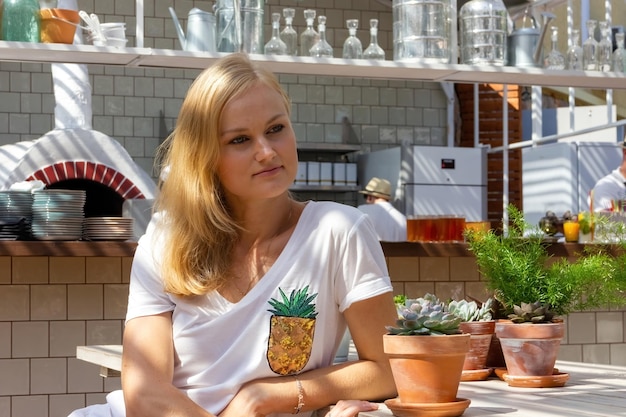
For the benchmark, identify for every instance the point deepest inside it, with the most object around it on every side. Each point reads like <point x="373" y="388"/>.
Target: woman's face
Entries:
<point x="258" y="157"/>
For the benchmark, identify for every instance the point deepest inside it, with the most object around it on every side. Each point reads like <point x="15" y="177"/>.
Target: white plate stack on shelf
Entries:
<point x="108" y="228"/>
<point x="58" y="214"/>
<point x="15" y="214"/>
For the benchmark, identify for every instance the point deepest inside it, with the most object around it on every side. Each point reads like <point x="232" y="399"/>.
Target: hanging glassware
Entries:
<point x="555" y="59"/>
<point x="484" y="27"/>
<point x="322" y="48"/>
<point x="374" y="51"/>
<point x="288" y="34"/>
<point x="590" y="47"/>
<point x="575" y="52"/>
<point x="619" y="55"/>
<point x="352" y="47"/>
<point x="309" y="36"/>
<point x="422" y="30"/>
<point x="275" y="46"/>
<point x="605" y="48"/>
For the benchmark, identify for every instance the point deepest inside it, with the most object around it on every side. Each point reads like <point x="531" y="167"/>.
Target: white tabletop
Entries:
<point x="592" y="390"/>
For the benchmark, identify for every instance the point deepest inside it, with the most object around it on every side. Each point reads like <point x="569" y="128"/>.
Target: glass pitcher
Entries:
<point x="249" y="20"/>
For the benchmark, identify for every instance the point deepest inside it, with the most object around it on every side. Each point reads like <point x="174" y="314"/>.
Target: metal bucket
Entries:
<point x="250" y="21"/>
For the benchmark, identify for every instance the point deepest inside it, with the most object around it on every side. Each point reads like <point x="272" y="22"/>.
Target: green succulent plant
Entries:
<point x="424" y="316"/>
<point x="531" y="313"/>
<point x="470" y="311"/>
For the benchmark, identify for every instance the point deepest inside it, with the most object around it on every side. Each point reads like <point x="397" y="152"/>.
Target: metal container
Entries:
<point x="239" y="26"/>
<point x="422" y="31"/>
<point x="483" y="26"/>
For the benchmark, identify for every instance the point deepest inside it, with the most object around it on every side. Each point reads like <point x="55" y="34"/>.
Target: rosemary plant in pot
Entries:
<point x="426" y="352"/>
<point x="537" y="292"/>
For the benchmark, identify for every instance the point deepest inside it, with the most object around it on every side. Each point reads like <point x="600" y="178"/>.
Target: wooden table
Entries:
<point x="592" y="390"/>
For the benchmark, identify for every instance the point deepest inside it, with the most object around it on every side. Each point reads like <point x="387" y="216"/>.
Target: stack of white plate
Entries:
<point x="108" y="228"/>
<point x="58" y="214"/>
<point x="15" y="214"/>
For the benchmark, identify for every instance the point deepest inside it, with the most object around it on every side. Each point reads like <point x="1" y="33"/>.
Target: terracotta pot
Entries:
<point x="58" y="25"/>
<point x="530" y="349"/>
<point x="427" y="369"/>
<point x="481" y="333"/>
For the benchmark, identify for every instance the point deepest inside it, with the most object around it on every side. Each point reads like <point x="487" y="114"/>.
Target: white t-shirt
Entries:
<point x="220" y="345"/>
<point x="608" y="188"/>
<point x="389" y="223"/>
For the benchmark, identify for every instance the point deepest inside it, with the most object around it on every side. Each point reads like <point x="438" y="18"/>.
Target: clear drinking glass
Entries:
<point x="619" y="55"/>
<point x="275" y="46"/>
<point x="374" y="51"/>
<point x="352" y="47"/>
<point x="590" y="47"/>
<point x="288" y="34"/>
<point x="555" y="59"/>
<point x="575" y="52"/>
<point x="322" y="48"/>
<point x="605" y="48"/>
<point x="309" y="36"/>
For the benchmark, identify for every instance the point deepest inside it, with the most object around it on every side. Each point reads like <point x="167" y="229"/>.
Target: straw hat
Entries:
<point x="378" y="187"/>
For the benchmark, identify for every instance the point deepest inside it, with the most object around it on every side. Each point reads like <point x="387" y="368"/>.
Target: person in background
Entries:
<point x="239" y="295"/>
<point x="611" y="188"/>
<point x="389" y="222"/>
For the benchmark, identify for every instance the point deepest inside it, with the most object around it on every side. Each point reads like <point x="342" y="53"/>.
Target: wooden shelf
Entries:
<point x="328" y="147"/>
<point x="336" y="67"/>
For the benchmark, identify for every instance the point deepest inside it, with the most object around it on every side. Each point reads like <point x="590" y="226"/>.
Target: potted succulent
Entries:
<point x="536" y="293"/>
<point x="426" y="351"/>
<point x="478" y="322"/>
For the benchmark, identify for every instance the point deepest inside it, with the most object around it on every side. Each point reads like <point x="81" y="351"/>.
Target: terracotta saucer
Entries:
<point x="451" y="409"/>
<point x="545" y="381"/>
<point x="501" y="371"/>
<point x="475" y="374"/>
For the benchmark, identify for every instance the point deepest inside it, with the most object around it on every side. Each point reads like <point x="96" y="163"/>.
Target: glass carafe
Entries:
<point x="605" y="48"/>
<point x="275" y="46"/>
<point x="483" y="32"/>
<point x="322" y="48"/>
<point x="21" y="20"/>
<point x="554" y="59"/>
<point x="374" y="51"/>
<point x="575" y="52"/>
<point x="619" y="55"/>
<point x="590" y="47"/>
<point x="352" y="47"/>
<point x="309" y="36"/>
<point x="288" y="34"/>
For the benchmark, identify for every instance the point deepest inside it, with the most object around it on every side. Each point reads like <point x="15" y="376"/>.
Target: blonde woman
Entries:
<point x="240" y="295"/>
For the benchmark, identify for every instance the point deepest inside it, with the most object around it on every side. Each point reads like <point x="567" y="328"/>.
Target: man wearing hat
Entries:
<point x="389" y="223"/>
<point x="611" y="188"/>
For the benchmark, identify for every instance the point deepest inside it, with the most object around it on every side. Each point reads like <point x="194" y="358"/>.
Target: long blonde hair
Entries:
<point x="199" y="231"/>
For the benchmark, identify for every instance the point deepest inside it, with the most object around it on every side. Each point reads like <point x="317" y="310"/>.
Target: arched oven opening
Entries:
<point x="101" y="201"/>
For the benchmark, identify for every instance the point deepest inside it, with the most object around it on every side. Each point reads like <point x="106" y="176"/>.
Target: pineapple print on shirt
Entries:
<point x="292" y="326"/>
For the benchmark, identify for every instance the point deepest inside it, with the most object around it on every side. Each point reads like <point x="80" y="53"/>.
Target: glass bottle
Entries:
<point x="322" y="48"/>
<point x="590" y="48"/>
<point x="21" y="20"/>
<point x="352" y="47"/>
<point x="575" y="52"/>
<point x="555" y="59"/>
<point x="483" y="32"/>
<point x="309" y="36"/>
<point x="619" y="55"/>
<point x="288" y="34"/>
<point x="275" y="46"/>
<point x="605" y="48"/>
<point x="374" y="51"/>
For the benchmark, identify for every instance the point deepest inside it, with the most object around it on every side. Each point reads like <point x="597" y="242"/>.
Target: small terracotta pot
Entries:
<point x="530" y="349"/>
<point x="58" y="25"/>
<point x="481" y="333"/>
<point x="427" y="369"/>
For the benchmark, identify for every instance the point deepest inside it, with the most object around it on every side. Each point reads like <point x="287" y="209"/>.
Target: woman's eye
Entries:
<point x="238" y="140"/>
<point x="276" y="129"/>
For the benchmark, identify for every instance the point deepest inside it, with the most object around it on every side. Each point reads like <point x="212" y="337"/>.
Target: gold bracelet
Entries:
<point x="298" y="408"/>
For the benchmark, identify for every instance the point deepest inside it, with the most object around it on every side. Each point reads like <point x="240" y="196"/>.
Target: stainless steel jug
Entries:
<point x="239" y="25"/>
<point x="200" y="31"/>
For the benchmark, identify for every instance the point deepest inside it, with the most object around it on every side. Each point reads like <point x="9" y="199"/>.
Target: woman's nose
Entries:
<point x="264" y="148"/>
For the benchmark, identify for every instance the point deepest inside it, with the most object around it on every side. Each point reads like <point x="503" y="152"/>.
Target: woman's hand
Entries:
<point x="351" y="408"/>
